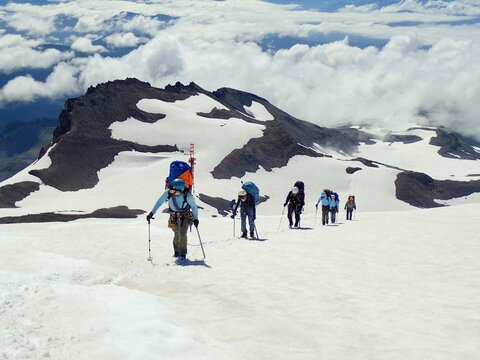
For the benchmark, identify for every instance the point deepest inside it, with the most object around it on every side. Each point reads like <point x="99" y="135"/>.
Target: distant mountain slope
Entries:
<point x="21" y="142"/>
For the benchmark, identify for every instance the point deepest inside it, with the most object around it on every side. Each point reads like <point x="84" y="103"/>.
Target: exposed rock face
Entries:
<point x="406" y="139"/>
<point x="452" y="145"/>
<point x="421" y="190"/>
<point x="351" y="170"/>
<point x="118" y="212"/>
<point x="10" y="194"/>
<point x="282" y="139"/>
<point x="222" y="205"/>
<point x="366" y="162"/>
<point x="82" y="141"/>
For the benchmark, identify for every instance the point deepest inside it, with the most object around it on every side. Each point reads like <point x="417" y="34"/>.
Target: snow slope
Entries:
<point x="388" y="285"/>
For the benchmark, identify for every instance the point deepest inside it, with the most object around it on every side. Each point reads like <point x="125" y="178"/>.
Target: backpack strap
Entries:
<point x="180" y="209"/>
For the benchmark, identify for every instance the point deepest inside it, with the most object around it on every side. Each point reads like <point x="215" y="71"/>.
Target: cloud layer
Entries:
<point x="427" y="72"/>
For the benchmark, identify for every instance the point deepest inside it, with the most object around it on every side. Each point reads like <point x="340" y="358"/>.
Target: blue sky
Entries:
<point x="328" y="62"/>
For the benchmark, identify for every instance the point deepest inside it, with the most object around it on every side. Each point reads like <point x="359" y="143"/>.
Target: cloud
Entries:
<point x="85" y="45"/>
<point x="143" y="24"/>
<point x="17" y="53"/>
<point x="157" y="59"/>
<point x="427" y="72"/>
<point x="25" y="18"/>
<point x="120" y="40"/>
<point x="458" y="7"/>
<point x="62" y="81"/>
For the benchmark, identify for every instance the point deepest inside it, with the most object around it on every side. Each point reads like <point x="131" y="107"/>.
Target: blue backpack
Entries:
<point x="252" y="189"/>
<point x="180" y="170"/>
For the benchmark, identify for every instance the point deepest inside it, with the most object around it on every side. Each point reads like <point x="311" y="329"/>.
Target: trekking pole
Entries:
<point x="234" y="226"/>
<point x="316" y="211"/>
<point x="149" y="248"/>
<point x="256" y="232"/>
<point x="281" y="218"/>
<point x="200" y="240"/>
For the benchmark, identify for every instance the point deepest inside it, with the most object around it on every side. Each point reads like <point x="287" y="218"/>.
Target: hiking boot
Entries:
<point x="182" y="257"/>
<point x="175" y="254"/>
<point x="252" y="234"/>
<point x="244" y="234"/>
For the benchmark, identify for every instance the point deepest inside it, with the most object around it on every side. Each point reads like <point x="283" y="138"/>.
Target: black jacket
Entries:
<point x="297" y="200"/>
<point x="248" y="203"/>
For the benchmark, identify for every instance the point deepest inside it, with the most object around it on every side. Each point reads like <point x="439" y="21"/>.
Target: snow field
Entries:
<point x="390" y="285"/>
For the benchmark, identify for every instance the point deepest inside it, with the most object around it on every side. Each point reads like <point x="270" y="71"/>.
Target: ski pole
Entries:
<point x="201" y="245"/>
<point x="149" y="248"/>
<point x="281" y="218"/>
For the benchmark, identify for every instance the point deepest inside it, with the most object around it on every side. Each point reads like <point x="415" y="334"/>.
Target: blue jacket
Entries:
<point x="337" y="199"/>
<point x="323" y="199"/>
<point x="333" y="204"/>
<point x="173" y="201"/>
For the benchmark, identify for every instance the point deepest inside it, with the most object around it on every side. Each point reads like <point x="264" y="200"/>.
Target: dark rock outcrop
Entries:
<point x="421" y="190"/>
<point x="282" y="139"/>
<point x="10" y="194"/>
<point x="366" y="162"/>
<point x="222" y="205"/>
<point x="118" y="212"/>
<point x="452" y="145"/>
<point x="351" y="170"/>
<point x="82" y="141"/>
<point x="406" y="139"/>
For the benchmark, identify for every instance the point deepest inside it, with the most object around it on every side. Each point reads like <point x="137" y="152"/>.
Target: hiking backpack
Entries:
<point x="337" y="199"/>
<point x="252" y="189"/>
<point x="300" y="185"/>
<point x="180" y="170"/>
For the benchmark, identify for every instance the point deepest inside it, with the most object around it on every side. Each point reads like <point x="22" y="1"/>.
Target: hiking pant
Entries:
<point x="179" y="224"/>
<point x="333" y="214"/>
<point x="325" y="211"/>
<point x="294" y="209"/>
<point x="250" y="212"/>
<point x="349" y="214"/>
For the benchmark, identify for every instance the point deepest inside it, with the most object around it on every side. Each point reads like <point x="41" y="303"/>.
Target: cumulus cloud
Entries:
<point x="143" y="24"/>
<point x="62" y="81"/>
<point x="17" y="53"/>
<point x="85" y="45"/>
<point x="122" y="40"/>
<point x="159" y="58"/>
<point x="24" y="18"/>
